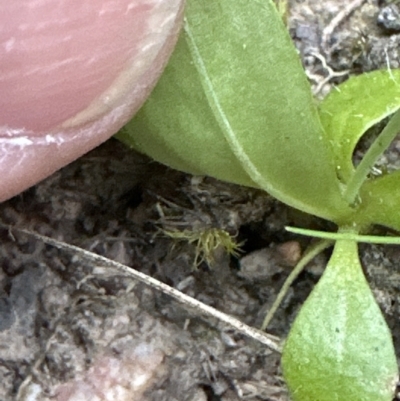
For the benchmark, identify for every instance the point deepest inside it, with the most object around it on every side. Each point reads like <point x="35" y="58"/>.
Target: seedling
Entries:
<point x="207" y="242"/>
<point x="234" y="103"/>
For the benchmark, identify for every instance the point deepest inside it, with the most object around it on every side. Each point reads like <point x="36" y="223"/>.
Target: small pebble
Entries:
<point x="262" y="264"/>
<point x="389" y="18"/>
<point x="290" y="252"/>
<point x="115" y="378"/>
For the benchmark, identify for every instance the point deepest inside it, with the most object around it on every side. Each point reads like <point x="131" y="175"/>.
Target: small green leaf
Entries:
<point x="234" y="103"/>
<point x="340" y="348"/>
<point x="380" y="201"/>
<point x="354" y="107"/>
<point x="371" y="156"/>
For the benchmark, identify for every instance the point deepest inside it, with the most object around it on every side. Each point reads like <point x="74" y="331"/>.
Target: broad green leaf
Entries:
<point x="340" y="348"/>
<point x="355" y="106"/>
<point x="176" y="125"/>
<point x="380" y="201"/>
<point x="234" y="103"/>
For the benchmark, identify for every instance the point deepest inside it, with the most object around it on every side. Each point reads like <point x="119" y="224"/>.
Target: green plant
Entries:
<point x="235" y="103"/>
<point x="207" y="241"/>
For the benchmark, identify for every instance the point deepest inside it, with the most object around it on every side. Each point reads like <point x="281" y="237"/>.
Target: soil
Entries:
<point x="74" y="329"/>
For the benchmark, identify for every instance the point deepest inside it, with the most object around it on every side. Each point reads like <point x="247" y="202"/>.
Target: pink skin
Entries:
<point x="72" y="72"/>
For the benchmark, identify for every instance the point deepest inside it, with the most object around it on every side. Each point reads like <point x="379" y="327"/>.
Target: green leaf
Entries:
<point x="339" y="347"/>
<point x="176" y="125"/>
<point x="354" y="107"/>
<point x="234" y="103"/>
<point x="380" y="201"/>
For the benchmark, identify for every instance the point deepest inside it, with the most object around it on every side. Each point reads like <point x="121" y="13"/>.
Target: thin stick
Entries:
<point x="270" y="341"/>
<point x="338" y="19"/>
<point x="310" y="254"/>
<point x="329" y="69"/>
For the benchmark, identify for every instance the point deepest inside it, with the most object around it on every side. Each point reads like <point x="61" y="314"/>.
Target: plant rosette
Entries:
<point x="234" y="103"/>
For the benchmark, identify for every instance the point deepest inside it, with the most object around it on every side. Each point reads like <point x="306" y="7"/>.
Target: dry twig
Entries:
<point x="338" y="19"/>
<point x="270" y="341"/>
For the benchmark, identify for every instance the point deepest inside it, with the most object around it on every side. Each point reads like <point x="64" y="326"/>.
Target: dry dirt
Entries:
<point x="72" y="329"/>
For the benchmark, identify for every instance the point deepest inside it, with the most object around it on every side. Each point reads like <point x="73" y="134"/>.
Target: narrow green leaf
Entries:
<point x="339" y="347"/>
<point x="354" y="107"/>
<point x="345" y="236"/>
<point x="235" y="104"/>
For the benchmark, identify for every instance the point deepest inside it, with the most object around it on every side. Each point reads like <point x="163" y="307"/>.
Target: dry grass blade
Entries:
<point x="270" y="341"/>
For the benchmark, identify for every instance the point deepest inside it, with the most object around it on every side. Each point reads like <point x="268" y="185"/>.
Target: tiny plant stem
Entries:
<point x="380" y="144"/>
<point x="310" y="254"/>
<point x="347" y="236"/>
